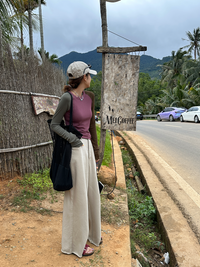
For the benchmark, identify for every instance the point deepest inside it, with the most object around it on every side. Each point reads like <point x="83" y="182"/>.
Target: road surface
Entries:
<point x="177" y="143"/>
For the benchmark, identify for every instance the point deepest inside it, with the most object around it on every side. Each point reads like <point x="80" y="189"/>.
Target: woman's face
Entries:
<point x="88" y="80"/>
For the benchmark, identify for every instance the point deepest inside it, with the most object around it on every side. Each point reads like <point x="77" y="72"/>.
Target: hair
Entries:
<point x="73" y="83"/>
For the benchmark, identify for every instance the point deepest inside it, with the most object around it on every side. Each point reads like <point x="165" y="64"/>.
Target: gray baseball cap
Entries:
<point x="78" y="69"/>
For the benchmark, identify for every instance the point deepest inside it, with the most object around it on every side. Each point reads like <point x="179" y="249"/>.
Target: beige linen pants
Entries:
<point x="81" y="209"/>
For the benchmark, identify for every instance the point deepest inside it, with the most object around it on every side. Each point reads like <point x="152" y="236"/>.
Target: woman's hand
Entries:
<point x="97" y="161"/>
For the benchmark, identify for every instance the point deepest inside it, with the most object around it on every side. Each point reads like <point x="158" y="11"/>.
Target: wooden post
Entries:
<point x="104" y="44"/>
<point x="41" y="31"/>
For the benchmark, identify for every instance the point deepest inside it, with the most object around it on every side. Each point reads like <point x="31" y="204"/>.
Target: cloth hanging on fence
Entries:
<point x="44" y="104"/>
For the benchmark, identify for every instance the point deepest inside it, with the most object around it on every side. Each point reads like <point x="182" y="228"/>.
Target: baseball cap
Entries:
<point x="78" y="69"/>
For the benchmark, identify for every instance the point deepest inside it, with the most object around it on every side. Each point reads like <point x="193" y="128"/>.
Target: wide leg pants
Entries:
<point x="81" y="209"/>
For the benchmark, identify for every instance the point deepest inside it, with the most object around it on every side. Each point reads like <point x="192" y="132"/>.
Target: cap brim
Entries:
<point x="93" y="72"/>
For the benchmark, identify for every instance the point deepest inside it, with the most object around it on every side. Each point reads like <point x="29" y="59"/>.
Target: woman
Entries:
<point x="81" y="210"/>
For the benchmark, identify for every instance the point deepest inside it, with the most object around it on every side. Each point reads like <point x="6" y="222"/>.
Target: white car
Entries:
<point x="192" y="114"/>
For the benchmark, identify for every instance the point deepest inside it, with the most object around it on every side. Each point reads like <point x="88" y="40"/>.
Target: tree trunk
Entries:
<point x="30" y="28"/>
<point x="21" y="31"/>
<point x="1" y="49"/>
<point x="41" y="31"/>
<point x="22" y="39"/>
<point x="104" y="44"/>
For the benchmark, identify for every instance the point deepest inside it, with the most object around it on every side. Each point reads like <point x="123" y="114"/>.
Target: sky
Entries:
<point x="75" y="25"/>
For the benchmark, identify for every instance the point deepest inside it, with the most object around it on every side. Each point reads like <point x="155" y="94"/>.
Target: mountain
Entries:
<point x="148" y="64"/>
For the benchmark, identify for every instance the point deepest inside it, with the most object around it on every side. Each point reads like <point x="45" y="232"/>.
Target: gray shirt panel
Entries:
<point x="63" y="107"/>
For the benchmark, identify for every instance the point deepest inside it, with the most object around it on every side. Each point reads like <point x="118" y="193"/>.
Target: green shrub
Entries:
<point x="107" y="159"/>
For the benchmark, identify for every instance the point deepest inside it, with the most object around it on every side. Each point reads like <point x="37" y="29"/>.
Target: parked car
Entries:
<point x="170" y="113"/>
<point x="139" y="115"/>
<point x="192" y="114"/>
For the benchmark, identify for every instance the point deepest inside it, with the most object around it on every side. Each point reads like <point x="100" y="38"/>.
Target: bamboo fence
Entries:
<point x="25" y="141"/>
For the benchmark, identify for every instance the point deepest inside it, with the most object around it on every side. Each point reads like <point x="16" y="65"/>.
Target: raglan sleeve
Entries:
<point x="63" y="107"/>
<point x="92" y="128"/>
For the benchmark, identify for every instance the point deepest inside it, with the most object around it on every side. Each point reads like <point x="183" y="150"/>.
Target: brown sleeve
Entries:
<point x="92" y="128"/>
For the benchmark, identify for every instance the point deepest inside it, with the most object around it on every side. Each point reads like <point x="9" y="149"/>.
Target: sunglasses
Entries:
<point x="89" y="66"/>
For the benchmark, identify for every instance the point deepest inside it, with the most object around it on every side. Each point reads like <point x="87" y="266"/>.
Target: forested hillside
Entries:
<point x="148" y="64"/>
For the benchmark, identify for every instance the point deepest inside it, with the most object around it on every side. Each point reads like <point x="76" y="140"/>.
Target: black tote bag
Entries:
<point x="60" y="172"/>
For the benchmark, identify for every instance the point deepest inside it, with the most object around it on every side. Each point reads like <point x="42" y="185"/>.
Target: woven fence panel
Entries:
<point x="19" y="126"/>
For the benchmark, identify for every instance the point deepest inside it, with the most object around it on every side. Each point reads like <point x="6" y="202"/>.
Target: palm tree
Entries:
<point x="172" y="70"/>
<point x="41" y="30"/>
<point x="53" y="58"/>
<point x="191" y="71"/>
<point x="151" y="106"/>
<point x="194" y="94"/>
<point x="26" y="52"/>
<point x="180" y="95"/>
<point x="14" y="18"/>
<point x="194" y="40"/>
<point x="22" y="20"/>
<point x="29" y="6"/>
<point x="6" y="6"/>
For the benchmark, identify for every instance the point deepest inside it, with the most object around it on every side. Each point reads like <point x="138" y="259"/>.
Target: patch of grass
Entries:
<point x="107" y="159"/>
<point x="33" y="187"/>
<point x="23" y="201"/>
<point x="39" y="182"/>
<point x="126" y="158"/>
<point x="142" y="214"/>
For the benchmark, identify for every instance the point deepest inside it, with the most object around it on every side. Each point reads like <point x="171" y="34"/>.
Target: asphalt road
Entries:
<point x="177" y="143"/>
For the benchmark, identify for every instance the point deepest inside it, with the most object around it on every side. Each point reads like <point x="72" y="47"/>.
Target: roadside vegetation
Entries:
<point x="144" y="233"/>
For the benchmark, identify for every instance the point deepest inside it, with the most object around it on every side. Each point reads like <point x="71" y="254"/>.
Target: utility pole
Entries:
<point x="104" y="44"/>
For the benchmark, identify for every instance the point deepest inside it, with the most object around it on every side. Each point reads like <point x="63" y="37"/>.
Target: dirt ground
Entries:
<point x="32" y="239"/>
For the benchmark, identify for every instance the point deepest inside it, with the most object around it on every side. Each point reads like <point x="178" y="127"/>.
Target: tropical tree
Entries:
<point x="152" y="106"/>
<point x="95" y="87"/>
<point x="6" y="8"/>
<point x="21" y="18"/>
<point x="6" y="27"/>
<point x="148" y="88"/>
<point x="26" y="53"/>
<point x="172" y="70"/>
<point x="29" y="6"/>
<point x="53" y="58"/>
<point x="194" y="94"/>
<point x="180" y="96"/>
<point x="41" y="30"/>
<point x="191" y="71"/>
<point x="194" y="39"/>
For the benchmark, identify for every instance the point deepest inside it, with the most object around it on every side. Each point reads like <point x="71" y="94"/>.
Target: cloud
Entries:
<point x="75" y="25"/>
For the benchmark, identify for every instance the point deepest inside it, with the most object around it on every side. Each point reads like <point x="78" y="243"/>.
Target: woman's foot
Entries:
<point x="88" y="251"/>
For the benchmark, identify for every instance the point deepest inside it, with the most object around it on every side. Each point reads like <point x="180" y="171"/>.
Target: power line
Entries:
<point x="123" y="38"/>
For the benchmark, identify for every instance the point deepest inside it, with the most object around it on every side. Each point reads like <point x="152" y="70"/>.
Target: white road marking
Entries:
<point x="183" y="184"/>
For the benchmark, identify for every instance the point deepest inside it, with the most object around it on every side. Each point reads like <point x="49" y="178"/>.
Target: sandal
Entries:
<point x="85" y="253"/>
